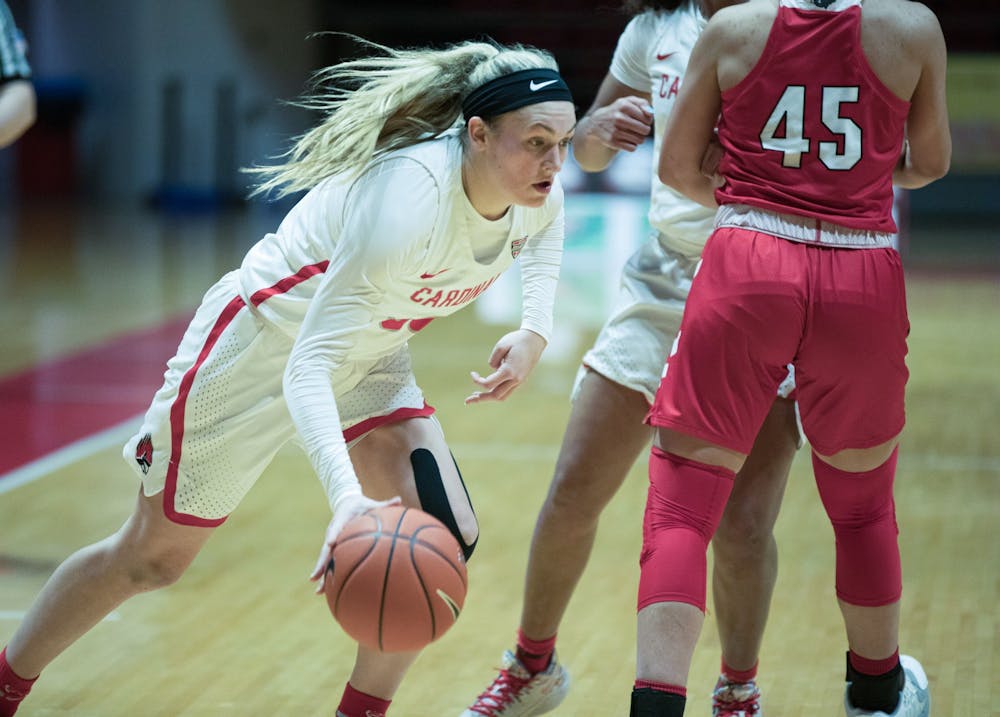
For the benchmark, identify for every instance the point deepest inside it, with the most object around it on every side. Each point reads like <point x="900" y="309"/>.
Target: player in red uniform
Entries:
<point x="824" y="105"/>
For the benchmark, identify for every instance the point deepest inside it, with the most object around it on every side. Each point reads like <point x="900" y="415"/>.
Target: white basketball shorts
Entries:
<point x="634" y="342"/>
<point x="220" y="416"/>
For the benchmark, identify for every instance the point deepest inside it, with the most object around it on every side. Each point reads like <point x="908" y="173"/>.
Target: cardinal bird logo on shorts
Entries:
<point x="144" y="453"/>
<point x="517" y="245"/>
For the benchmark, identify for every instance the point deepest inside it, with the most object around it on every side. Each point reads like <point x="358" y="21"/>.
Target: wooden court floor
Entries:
<point x="242" y="633"/>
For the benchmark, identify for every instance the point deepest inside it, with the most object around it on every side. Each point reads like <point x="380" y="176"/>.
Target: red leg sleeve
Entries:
<point x="683" y="509"/>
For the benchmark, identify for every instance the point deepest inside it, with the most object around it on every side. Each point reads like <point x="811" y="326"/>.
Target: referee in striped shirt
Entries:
<point x="17" y="96"/>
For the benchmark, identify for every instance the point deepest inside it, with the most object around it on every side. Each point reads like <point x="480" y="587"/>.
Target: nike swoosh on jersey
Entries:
<point x="429" y="275"/>
<point x="535" y="86"/>
<point x="664" y="56"/>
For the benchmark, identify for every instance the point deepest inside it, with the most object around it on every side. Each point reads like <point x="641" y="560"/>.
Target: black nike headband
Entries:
<point x="516" y="90"/>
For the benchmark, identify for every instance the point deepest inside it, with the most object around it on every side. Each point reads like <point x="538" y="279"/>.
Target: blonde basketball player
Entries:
<point x="432" y="172"/>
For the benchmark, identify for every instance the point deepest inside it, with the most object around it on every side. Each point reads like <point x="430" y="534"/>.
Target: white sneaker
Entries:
<point x="517" y="693"/>
<point x="914" y="698"/>
<point x="736" y="699"/>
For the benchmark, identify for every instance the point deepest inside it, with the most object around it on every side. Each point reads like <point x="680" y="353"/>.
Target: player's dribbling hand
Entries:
<point x="346" y="509"/>
<point x="513" y="358"/>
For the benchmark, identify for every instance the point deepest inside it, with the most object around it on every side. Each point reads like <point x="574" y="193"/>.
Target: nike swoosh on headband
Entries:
<point x="535" y="86"/>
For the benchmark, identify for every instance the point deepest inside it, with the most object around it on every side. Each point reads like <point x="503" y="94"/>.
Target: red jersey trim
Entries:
<point x="289" y="282"/>
<point x="177" y="410"/>
<point x="177" y="421"/>
<point x="370" y="424"/>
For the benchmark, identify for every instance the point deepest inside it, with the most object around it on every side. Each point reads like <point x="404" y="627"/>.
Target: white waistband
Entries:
<point x="833" y="6"/>
<point x="807" y="230"/>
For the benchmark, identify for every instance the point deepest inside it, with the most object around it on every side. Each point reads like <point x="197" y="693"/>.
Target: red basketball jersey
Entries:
<point x="811" y="130"/>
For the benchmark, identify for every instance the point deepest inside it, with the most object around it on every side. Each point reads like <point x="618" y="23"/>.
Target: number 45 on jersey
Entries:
<point x="790" y="111"/>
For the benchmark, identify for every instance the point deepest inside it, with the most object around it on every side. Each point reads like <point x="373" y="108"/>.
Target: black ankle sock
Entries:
<point x="648" y="702"/>
<point x="875" y="692"/>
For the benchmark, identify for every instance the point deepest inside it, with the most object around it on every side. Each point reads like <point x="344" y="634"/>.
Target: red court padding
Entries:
<point x="59" y="402"/>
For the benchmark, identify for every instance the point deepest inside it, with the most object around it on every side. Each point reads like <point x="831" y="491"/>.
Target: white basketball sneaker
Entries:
<point x="736" y="699"/>
<point x="914" y="698"/>
<point x="517" y="693"/>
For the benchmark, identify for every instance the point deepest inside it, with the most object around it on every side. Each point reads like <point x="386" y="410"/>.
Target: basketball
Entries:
<point x="397" y="580"/>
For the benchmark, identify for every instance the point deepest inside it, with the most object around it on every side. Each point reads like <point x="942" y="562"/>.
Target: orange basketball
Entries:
<point x="398" y="579"/>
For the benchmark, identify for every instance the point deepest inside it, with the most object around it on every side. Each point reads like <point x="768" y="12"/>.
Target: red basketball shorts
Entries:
<point x="758" y="303"/>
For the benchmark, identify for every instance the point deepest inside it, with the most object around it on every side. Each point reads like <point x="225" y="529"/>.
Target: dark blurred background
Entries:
<point x="162" y="102"/>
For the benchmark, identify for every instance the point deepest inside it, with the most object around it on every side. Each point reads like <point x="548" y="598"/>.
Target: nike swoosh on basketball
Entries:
<point x="663" y="56"/>
<point x="535" y="86"/>
<point x="428" y="275"/>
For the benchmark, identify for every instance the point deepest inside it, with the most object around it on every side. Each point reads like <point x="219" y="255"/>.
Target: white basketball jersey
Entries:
<point x="651" y="56"/>
<point x="359" y="265"/>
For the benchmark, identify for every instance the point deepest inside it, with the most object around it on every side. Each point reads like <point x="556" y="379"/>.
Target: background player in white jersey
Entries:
<point x="17" y="95"/>
<point x="820" y="106"/>
<point x="615" y="387"/>
<point x="432" y="171"/>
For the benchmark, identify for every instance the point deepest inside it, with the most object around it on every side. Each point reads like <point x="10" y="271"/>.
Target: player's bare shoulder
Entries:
<point x="746" y="13"/>
<point x="742" y="27"/>
<point x="900" y="37"/>
<point x="736" y="36"/>
<point x="903" y="18"/>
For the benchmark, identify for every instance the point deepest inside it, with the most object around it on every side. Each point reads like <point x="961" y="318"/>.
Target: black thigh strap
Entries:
<point x="433" y="498"/>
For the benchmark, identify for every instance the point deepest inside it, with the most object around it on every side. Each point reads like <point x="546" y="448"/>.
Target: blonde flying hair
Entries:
<point x="373" y="105"/>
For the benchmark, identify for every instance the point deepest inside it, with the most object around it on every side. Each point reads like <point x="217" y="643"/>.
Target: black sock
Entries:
<point x="875" y="692"/>
<point x="647" y="702"/>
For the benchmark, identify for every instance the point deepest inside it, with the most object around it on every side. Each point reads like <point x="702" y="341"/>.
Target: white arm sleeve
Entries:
<point x="390" y="211"/>
<point x="540" y="262"/>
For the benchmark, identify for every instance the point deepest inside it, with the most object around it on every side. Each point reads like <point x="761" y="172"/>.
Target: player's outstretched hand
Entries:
<point x="513" y="358"/>
<point x="347" y="508"/>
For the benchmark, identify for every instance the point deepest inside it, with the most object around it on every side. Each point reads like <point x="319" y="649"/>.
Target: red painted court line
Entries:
<point x="56" y="403"/>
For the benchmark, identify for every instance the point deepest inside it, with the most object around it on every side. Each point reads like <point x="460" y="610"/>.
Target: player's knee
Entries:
<point x="578" y="494"/>
<point x="571" y="505"/>
<point x="863" y="515"/>
<point x="154" y="572"/>
<point x="746" y="531"/>
<point x="855" y="499"/>
<point x="683" y="509"/>
<point x="138" y="563"/>
<point x="459" y="518"/>
<point x="744" y="534"/>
